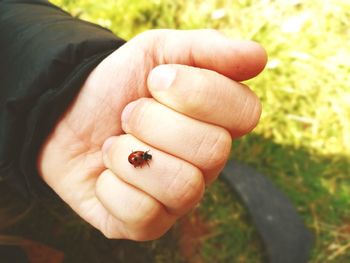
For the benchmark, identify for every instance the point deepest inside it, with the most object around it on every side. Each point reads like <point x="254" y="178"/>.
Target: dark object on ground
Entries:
<point x="284" y="235"/>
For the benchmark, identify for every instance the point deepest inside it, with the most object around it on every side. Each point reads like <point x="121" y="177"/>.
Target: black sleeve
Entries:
<point x="45" y="56"/>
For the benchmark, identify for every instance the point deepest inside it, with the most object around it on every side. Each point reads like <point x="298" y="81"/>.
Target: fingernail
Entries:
<point x="161" y="77"/>
<point x="107" y="144"/>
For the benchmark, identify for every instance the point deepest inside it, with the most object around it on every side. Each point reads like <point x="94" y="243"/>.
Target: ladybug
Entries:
<point x="139" y="158"/>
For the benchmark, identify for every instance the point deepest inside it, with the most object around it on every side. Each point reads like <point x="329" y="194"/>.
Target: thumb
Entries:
<point x="209" y="49"/>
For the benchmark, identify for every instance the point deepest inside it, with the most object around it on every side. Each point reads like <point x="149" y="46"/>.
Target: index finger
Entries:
<point x="206" y="96"/>
<point x="209" y="49"/>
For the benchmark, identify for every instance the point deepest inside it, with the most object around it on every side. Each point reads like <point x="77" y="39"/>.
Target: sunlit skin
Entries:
<point x="176" y="93"/>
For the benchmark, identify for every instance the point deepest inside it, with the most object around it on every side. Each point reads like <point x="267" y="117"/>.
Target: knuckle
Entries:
<point x="143" y="212"/>
<point x="255" y="113"/>
<point x="251" y="112"/>
<point x="216" y="150"/>
<point x="187" y="187"/>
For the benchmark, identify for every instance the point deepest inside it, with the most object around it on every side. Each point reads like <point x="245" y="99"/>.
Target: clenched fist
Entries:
<point x="173" y="93"/>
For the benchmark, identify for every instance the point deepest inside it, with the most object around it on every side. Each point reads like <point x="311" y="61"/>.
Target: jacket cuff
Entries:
<point x="45" y="57"/>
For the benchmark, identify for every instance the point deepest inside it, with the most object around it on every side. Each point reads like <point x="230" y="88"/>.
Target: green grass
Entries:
<point x="303" y="140"/>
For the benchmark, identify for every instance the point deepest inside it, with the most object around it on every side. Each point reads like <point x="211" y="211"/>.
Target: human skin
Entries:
<point x="175" y="93"/>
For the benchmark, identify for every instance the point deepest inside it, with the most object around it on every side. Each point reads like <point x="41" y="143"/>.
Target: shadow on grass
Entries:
<point x="317" y="185"/>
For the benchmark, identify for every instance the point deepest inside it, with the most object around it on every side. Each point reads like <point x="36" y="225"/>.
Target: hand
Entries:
<point x="174" y="93"/>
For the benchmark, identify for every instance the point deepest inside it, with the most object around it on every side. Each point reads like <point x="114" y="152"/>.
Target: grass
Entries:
<point x="302" y="142"/>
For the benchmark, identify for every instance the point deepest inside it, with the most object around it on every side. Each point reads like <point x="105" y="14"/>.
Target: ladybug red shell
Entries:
<point x="139" y="158"/>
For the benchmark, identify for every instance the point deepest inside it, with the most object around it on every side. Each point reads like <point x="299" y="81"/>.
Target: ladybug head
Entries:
<point x="147" y="156"/>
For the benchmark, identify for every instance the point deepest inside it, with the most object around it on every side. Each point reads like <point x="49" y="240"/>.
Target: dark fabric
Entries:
<point x="45" y="56"/>
<point x="12" y="254"/>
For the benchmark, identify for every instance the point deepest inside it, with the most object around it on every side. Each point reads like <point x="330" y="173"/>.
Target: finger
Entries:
<point x="204" y="145"/>
<point x="144" y="217"/>
<point x="209" y="49"/>
<point x="175" y="183"/>
<point x="206" y="96"/>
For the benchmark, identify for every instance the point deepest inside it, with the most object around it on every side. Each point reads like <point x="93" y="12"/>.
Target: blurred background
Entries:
<point x="302" y="142"/>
